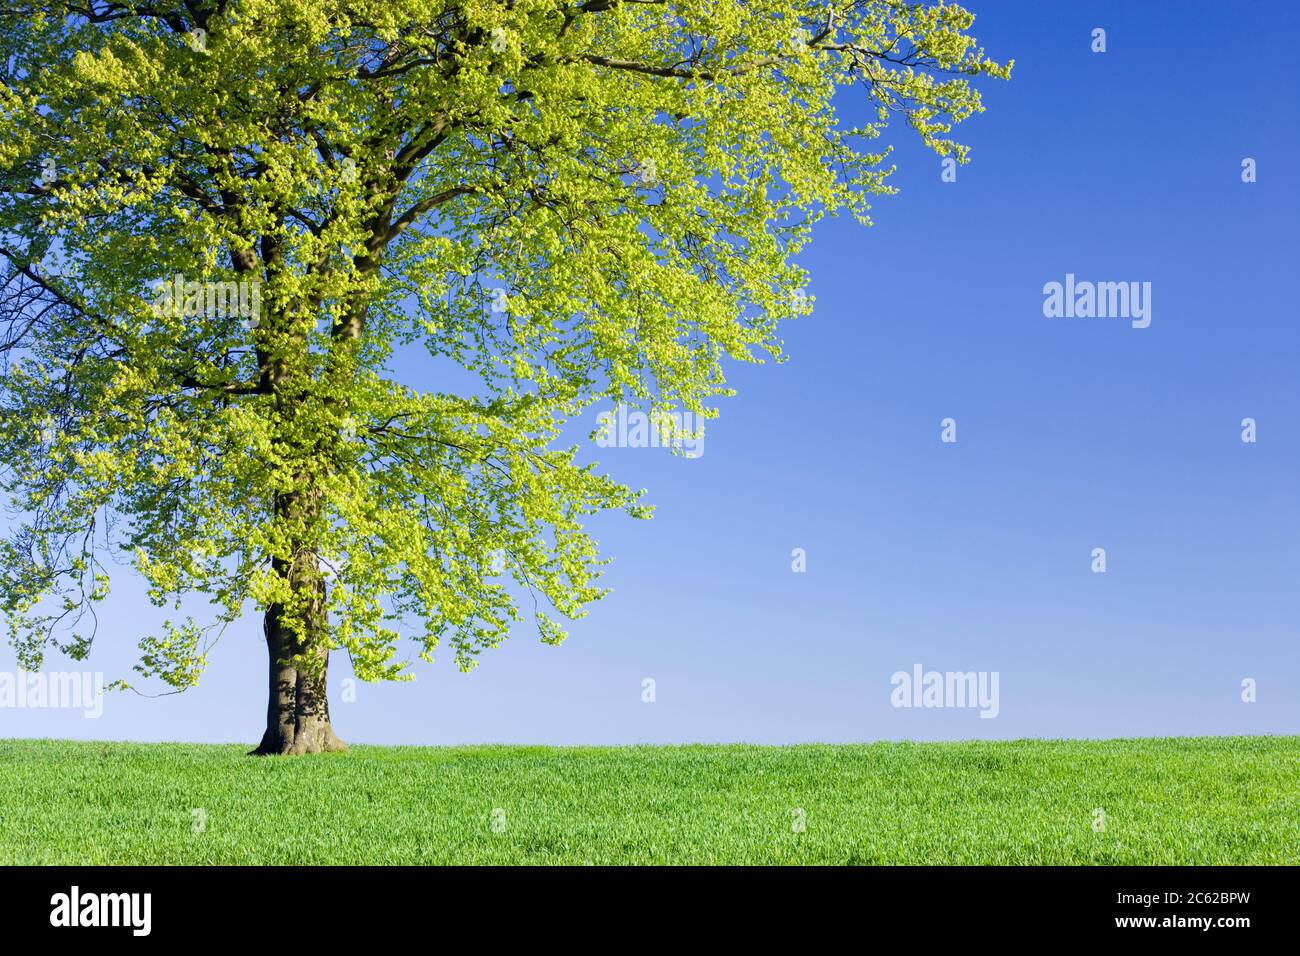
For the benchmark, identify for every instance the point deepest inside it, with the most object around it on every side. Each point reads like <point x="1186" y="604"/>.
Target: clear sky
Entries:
<point x="1072" y="434"/>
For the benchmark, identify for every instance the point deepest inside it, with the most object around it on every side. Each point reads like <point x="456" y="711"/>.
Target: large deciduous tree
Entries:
<point x="222" y="220"/>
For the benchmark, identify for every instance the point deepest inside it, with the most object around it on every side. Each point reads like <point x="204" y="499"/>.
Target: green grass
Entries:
<point x="1177" y="801"/>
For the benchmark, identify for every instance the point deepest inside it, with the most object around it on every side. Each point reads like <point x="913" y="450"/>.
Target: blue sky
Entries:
<point x="1072" y="434"/>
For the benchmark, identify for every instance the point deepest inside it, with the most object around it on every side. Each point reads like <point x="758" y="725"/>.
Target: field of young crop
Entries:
<point x="1150" y="801"/>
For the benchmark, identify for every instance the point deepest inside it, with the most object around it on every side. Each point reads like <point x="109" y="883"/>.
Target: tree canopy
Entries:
<point x="220" y="221"/>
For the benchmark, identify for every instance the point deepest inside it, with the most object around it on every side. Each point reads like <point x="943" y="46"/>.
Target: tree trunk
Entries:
<point x="297" y="639"/>
<point x="297" y="709"/>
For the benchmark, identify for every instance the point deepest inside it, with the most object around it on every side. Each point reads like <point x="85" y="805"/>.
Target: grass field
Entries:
<point x="1181" y="800"/>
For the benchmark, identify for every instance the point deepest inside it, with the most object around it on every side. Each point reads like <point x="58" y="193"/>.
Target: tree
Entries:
<point x="221" y="219"/>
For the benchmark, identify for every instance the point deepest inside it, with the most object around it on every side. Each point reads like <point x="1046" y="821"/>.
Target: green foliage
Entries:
<point x="576" y="202"/>
<point x="1188" y="801"/>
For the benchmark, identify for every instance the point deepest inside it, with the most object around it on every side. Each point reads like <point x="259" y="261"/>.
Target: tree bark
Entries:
<point x="297" y="640"/>
<point x="297" y="709"/>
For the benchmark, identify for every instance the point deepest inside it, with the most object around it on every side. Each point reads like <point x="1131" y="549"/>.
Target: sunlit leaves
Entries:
<point x="574" y="204"/>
